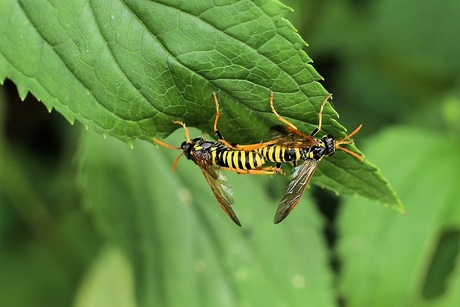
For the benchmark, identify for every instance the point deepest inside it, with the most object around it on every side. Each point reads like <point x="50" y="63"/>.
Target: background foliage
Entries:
<point x="88" y="221"/>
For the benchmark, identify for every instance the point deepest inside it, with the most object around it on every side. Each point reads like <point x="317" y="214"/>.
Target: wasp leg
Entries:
<point x="187" y="134"/>
<point x="280" y="118"/>
<point x="269" y="170"/>
<point x="291" y="126"/>
<point x="219" y="135"/>
<point x="320" y="116"/>
<point x="251" y="147"/>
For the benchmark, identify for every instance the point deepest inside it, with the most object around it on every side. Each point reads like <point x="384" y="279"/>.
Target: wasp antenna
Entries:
<point x="164" y="144"/>
<point x="176" y="161"/>
<point x="342" y="141"/>
<point x="187" y="135"/>
<point x="355" y="131"/>
<point x="354" y="154"/>
<point x="348" y="140"/>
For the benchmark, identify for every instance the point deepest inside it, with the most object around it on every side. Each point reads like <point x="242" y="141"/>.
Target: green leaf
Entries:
<point x="183" y="248"/>
<point x="128" y="68"/>
<point x="341" y="173"/>
<point x="393" y="260"/>
<point x="108" y="282"/>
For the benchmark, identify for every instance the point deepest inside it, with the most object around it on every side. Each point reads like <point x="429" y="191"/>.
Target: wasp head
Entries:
<point x="189" y="146"/>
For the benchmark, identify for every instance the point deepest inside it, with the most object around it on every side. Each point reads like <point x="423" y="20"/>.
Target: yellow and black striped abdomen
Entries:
<point x="279" y="154"/>
<point x="237" y="159"/>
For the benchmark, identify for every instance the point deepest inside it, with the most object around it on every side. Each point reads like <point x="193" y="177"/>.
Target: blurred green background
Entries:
<point x="88" y="221"/>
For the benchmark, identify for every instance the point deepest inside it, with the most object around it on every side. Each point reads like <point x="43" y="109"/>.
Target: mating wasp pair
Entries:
<point x="288" y="144"/>
<point x="212" y="157"/>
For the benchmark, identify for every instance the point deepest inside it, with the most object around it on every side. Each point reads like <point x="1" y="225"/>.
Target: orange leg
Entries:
<point x="291" y="126"/>
<point x="220" y="137"/>
<point x="187" y="134"/>
<point x="269" y="170"/>
<point x="250" y="147"/>
<point x="320" y="115"/>
<point x="280" y="118"/>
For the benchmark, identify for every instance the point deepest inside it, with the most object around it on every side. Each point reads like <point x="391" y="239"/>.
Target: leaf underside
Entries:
<point x="128" y="68"/>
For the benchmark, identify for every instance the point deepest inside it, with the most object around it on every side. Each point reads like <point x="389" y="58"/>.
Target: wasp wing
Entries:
<point x="297" y="184"/>
<point x="289" y="137"/>
<point x="278" y="132"/>
<point x="221" y="189"/>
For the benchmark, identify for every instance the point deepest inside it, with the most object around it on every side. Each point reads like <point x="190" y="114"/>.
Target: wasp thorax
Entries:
<point x="329" y="145"/>
<point x="317" y="152"/>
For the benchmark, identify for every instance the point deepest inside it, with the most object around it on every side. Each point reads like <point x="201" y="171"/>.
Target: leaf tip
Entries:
<point x="130" y="143"/>
<point x="23" y="91"/>
<point x="398" y="206"/>
<point x="401" y="209"/>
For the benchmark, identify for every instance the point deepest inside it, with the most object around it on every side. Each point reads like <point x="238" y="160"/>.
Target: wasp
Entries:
<point x="288" y="144"/>
<point x="212" y="157"/>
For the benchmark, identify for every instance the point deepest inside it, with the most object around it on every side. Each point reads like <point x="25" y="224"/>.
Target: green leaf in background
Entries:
<point x="389" y="60"/>
<point x="128" y="68"/>
<point x="413" y="260"/>
<point x="108" y="282"/>
<point x="45" y="240"/>
<point x="151" y="237"/>
<point x="184" y="249"/>
<point x="352" y="177"/>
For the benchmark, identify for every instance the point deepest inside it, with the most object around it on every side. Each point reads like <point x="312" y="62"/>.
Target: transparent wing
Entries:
<point x="286" y="136"/>
<point x="297" y="184"/>
<point x="221" y="189"/>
